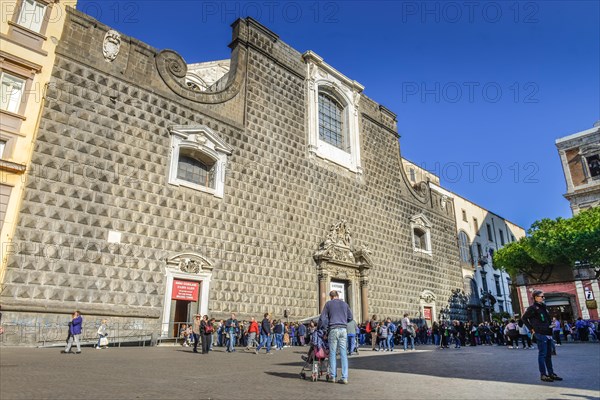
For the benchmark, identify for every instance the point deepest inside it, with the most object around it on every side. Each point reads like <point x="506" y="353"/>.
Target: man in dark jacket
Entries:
<point x="537" y="319"/>
<point x="302" y="334"/>
<point x="334" y="320"/>
<point x="265" y="334"/>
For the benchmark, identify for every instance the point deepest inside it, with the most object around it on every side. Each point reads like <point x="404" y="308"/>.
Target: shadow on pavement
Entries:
<point x="286" y="375"/>
<point x="574" y="395"/>
<point x="496" y="364"/>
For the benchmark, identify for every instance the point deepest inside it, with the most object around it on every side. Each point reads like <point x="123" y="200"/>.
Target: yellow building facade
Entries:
<point x="29" y="33"/>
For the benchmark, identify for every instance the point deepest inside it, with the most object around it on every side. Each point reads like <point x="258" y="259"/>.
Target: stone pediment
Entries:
<point x="201" y="137"/>
<point x="337" y="248"/>
<point x="421" y="220"/>
<point x="337" y="245"/>
<point x="191" y="263"/>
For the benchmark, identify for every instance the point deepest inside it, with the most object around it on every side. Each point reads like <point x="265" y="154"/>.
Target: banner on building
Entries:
<point x="427" y="313"/>
<point x="185" y="290"/>
<point x="340" y="288"/>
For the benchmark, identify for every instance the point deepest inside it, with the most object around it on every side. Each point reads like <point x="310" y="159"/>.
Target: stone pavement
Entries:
<point x="174" y="372"/>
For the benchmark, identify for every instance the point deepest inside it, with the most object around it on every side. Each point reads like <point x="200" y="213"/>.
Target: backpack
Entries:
<point x="392" y="328"/>
<point x="368" y="328"/>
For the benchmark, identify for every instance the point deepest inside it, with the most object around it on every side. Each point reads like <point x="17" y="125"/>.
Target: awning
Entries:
<point x="307" y="320"/>
<point x="557" y="301"/>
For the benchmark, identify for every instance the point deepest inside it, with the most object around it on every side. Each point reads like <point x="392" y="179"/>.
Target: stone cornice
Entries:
<point x="379" y="124"/>
<point x="13" y="167"/>
<point x="20" y="61"/>
<point x="312" y="57"/>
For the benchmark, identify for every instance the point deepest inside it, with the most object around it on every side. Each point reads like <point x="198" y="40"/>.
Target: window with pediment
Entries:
<point x="198" y="159"/>
<point x="333" y="128"/>
<point x="421" y="234"/>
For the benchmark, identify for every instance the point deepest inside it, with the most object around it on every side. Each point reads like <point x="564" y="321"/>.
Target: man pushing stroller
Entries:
<point x="334" y="319"/>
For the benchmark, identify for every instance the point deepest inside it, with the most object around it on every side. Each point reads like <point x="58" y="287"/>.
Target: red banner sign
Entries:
<point x="427" y="313"/>
<point x="185" y="290"/>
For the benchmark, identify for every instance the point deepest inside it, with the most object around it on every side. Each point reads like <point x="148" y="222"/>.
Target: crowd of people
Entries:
<point x="387" y="335"/>
<point x="378" y="334"/>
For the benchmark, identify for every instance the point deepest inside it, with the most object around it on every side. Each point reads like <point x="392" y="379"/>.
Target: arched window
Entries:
<point x="331" y="124"/>
<point x="332" y="104"/>
<point x="194" y="169"/>
<point x="421" y="234"/>
<point x="464" y="246"/>
<point x="198" y="159"/>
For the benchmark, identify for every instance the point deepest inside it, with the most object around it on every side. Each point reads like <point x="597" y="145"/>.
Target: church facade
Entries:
<point x="255" y="185"/>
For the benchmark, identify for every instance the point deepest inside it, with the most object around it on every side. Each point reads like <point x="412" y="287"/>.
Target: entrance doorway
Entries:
<point x="560" y="307"/>
<point x="342" y="288"/>
<point x="428" y="316"/>
<point x="187" y="287"/>
<point x="180" y="315"/>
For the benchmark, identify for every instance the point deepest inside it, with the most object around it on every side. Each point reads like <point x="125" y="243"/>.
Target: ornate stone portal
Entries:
<point x="190" y="267"/>
<point x="340" y="262"/>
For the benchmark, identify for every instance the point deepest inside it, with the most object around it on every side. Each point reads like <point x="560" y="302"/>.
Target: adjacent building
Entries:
<point x="580" y="157"/>
<point x="572" y="292"/>
<point x="480" y="233"/>
<point x="159" y="190"/>
<point x="29" y="32"/>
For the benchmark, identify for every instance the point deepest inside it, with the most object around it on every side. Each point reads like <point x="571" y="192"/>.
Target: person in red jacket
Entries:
<point x="252" y="333"/>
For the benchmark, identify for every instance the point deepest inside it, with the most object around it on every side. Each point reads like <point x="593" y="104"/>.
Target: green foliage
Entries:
<point x="498" y="316"/>
<point x="558" y="242"/>
<point x="515" y="258"/>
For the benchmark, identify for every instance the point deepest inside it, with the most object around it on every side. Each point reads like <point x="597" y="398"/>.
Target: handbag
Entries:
<point x="320" y="353"/>
<point x="103" y="341"/>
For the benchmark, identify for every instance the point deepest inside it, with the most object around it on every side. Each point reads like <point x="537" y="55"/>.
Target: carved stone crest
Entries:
<point x="190" y="266"/>
<point x="111" y="45"/>
<point x="191" y="263"/>
<point x="198" y="138"/>
<point x="428" y="296"/>
<point x="339" y="234"/>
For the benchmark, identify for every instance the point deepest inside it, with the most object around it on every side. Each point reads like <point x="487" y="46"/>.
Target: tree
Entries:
<point x="554" y="243"/>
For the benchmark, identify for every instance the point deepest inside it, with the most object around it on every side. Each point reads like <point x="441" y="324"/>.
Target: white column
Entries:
<point x="585" y="314"/>
<point x="524" y="298"/>
<point x="596" y="290"/>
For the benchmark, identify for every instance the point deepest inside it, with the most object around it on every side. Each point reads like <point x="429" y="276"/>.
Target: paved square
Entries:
<point x="177" y="373"/>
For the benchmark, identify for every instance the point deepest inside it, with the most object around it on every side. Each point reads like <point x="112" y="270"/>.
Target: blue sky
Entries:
<point x="482" y="89"/>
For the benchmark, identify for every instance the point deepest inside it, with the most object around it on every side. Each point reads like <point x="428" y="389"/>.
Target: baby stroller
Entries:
<point x="316" y="360"/>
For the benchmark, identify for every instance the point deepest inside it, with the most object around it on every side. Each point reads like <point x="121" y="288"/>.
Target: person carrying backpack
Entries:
<point x="391" y="333"/>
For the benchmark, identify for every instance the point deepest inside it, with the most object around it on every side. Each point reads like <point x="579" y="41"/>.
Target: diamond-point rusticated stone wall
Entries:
<point x="101" y="164"/>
